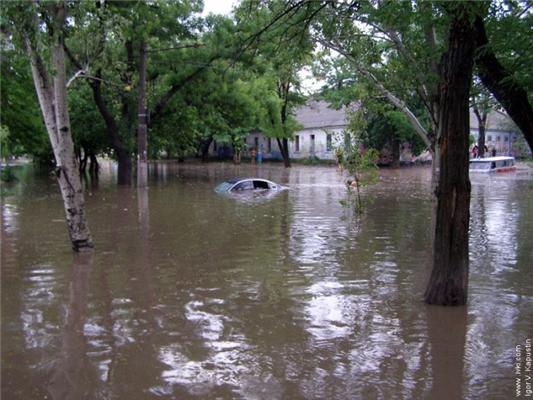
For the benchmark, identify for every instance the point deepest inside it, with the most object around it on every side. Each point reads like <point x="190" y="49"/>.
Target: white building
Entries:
<point x="323" y="128"/>
<point x="500" y="133"/>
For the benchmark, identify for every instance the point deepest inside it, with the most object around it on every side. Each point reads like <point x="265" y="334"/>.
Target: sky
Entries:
<point x="218" y="6"/>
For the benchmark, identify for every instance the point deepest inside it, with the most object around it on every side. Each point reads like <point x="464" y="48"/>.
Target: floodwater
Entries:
<point x="193" y="295"/>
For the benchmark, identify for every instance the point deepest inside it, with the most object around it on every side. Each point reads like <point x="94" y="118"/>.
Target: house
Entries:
<point x="322" y="130"/>
<point x="500" y="132"/>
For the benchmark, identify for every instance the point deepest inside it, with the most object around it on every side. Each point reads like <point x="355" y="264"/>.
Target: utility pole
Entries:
<point x="142" y="136"/>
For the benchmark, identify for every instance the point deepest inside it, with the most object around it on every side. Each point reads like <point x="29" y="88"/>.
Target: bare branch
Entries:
<point x="394" y="100"/>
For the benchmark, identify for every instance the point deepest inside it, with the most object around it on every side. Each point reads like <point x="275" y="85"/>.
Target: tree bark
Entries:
<point x="448" y="284"/>
<point x="94" y="168"/>
<point x="121" y="151"/>
<point x="52" y="95"/>
<point x="482" y="127"/>
<point x="283" y="145"/>
<point x="502" y="84"/>
<point x="204" y="149"/>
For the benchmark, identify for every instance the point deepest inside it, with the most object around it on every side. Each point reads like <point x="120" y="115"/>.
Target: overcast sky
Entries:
<point x="218" y="6"/>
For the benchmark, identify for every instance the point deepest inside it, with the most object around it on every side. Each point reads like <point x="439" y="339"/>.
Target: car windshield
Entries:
<point x="245" y="185"/>
<point x="224" y="186"/>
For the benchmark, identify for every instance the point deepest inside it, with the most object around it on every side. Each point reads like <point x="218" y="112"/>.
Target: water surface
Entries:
<point x="191" y="294"/>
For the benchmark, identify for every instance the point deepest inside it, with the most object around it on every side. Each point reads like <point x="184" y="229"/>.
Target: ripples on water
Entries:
<point x="190" y="294"/>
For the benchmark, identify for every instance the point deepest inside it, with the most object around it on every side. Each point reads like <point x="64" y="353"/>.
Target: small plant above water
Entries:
<point x="360" y="162"/>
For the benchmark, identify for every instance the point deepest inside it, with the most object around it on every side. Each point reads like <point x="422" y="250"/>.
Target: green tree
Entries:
<point x="23" y="129"/>
<point x="40" y="27"/>
<point x="503" y="60"/>
<point x="430" y="48"/>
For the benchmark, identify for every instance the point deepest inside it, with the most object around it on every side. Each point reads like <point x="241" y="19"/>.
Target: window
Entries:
<point x="260" y="185"/>
<point x="256" y="142"/>
<point x="246" y="185"/>
<point x="269" y="145"/>
<point x="489" y="138"/>
<point x="312" y="144"/>
<point x="297" y="143"/>
<point x="506" y="138"/>
<point x="329" y="142"/>
<point x="498" y="138"/>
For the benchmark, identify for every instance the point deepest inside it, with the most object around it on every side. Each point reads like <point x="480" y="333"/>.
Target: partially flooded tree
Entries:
<point x="51" y="87"/>
<point x="413" y="36"/>
<point x="448" y="284"/>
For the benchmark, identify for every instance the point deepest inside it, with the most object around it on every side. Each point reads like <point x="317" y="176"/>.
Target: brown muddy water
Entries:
<point x="191" y="294"/>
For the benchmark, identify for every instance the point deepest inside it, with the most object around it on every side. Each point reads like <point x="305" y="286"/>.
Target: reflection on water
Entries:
<point x="190" y="294"/>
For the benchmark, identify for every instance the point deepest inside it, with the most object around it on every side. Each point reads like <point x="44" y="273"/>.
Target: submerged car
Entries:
<point x="244" y="184"/>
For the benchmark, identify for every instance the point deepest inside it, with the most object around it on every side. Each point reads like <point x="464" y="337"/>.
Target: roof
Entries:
<point x="496" y="120"/>
<point x="320" y="114"/>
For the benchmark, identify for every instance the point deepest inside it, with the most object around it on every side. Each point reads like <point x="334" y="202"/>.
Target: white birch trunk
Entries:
<point x="52" y="95"/>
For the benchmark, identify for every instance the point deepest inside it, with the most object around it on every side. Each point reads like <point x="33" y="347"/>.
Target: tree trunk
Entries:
<point x="448" y="284"/>
<point x="395" y="147"/>
<point x="94" y="168"/>
<point x="502" y="84"/>
<point x="204" y="149"/>
<point x="124" y="167"/>
<point x="236" y="157"/>
<point x="283" y="145"/>
<point x="83" y="157"/>
<point x="52" y="95"/>
<point x="121" y="151"/>
<point x="482" y="126"/>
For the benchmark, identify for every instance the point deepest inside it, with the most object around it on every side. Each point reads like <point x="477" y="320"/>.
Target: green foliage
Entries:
<point x="509" y="28"/>
<point x="23" y="131"/>
<point x="7" y="175"/>
<point x="360" y="162"/>
<point x="88" y="129"/>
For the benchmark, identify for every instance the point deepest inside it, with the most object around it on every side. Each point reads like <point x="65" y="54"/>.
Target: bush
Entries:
<point x="7" y="175"/>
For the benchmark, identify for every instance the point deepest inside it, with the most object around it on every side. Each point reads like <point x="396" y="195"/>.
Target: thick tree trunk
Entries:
<point x="448" y="284"/>
<point x="125" y="167"/>
<point x="52" y="95"/>
<point x="121" y="151"/>
<point x="502" y="84"/>
<point x="204" y="149"/>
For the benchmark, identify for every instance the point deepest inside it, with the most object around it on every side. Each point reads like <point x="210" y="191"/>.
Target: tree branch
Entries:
<point x="501" y="83"/>
<point x="397" y="102"/>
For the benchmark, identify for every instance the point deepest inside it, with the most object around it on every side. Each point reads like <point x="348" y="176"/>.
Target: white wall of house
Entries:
<point x="502" y="141"/>
<point x="320" y="143"/>
<point x="317" y="142"/>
